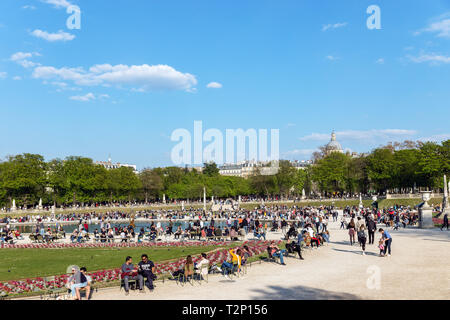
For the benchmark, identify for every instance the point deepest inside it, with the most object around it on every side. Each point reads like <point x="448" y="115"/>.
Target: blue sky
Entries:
<point x="138" y="70"/>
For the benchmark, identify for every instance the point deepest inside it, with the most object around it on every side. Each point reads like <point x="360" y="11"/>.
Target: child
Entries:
<point x="381" y="246"/>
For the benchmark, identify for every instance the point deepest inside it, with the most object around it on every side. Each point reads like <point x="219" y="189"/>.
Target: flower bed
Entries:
<point x="38" y="285"/>
<point x="113" y="245"/>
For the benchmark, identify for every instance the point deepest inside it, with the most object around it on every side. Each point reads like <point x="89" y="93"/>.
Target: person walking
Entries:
<point x="371" y="228"/>
<point x="343" y="222"/>
<point x="351" y="231"/>
<point x="362" y="238"/>
<point x="445" y="224"/>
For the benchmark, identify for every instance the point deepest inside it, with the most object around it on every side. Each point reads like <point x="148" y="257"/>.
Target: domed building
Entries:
<point x="333" y="145"/>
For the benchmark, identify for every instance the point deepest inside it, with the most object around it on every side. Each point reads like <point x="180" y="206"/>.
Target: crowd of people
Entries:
<point x="301" y="228"/>
<point x="367" y="221"/>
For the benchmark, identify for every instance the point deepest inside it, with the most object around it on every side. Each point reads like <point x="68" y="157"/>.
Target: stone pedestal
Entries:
<point x="426" y="218"/>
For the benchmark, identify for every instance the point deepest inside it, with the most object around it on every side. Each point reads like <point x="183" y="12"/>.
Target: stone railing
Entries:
<point x="412" y="196"/>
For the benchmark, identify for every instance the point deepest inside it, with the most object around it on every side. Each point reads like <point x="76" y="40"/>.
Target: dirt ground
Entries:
<point x="419" y="268"/>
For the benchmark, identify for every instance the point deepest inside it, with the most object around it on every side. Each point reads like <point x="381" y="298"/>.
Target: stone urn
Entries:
<point x="426" y="212"/>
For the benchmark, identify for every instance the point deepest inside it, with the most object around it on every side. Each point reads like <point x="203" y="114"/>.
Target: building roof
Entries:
<point x="333" y="145"/>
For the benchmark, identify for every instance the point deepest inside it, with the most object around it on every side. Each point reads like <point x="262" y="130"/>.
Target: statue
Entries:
<point x="14" y="208"/>
<point x="361" y="205"/>
<point x="204" y="199"/>
<point x="445" y="204"/>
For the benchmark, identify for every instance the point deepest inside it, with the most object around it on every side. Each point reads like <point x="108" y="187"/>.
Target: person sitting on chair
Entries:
<point x="178" y="232"/>
<point x="110" y="235"/>
<point x="245" y="255"/>
<point x="276" y="252"/>
<point x="293" y="247"/>
<point x="210" y="232"/>
<point x="86" y="284"/>
<point x="129" y="272"/>
<point x="228" y="266"/>
<point x="259" y="233"/>
<point x="147" y="270"/>
<point x="77" y="280"/>
<point x="74" y="235"/>
<point x="233" y="234"/>
<point x="189" y="267"/>
<point x="291" y="232"/>
<point x="202" y="266"/>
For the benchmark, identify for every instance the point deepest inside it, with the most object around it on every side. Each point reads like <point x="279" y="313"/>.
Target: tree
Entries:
<point x="210" y="169"/>
<point x="330" y="172"/>
<point x="431" y="163"/>
<point x="285" y="177"/>
<point x="263" y="184"/>
<point x="57" y="180"/>
<point x="152" y="183"/>
<point x="24" y="177"/>
<point x="84" y="179"/>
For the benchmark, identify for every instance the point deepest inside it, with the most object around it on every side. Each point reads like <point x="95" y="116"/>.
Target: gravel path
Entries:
<point x="418" y="269"/>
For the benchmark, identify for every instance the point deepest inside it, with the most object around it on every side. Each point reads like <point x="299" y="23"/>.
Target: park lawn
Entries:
<point x="17" y="264"/>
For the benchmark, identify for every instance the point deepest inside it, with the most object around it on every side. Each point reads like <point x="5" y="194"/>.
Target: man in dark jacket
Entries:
<point x="445" y="224"/>
<point x="371" y="228"/>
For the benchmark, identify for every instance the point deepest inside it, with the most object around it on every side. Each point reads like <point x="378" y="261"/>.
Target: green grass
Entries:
<point x="16" y="264"/>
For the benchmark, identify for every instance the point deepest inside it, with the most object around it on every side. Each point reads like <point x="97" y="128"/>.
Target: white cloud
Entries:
<point x="3" y="75"/>
<point x="334" y="26"/>
<point x="89" y="97"/>
<point x="432" y="58"/>
<point x="58" y="3"/>
<point x="192" y="90"/>
<point x="52" y="37"/>
<point x="436" y="138"/>
<point x="332" y="58"/>
<point x="86" y="98"/>
<point x="214" y="85"/>
<point x="22" y="59"/>
<point x="28" y="63"/>
<point x="59" y="84"/>
<point x="375" y="135"/>
<point x="141" y="77"/>
<point x="20" y="56"/>
<point x="17" y="78"/>
<point x="440" y="26"/>
<point x="300" y="152"/>
<point x="380" y="61"/>
<point x="30" y="7"/>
